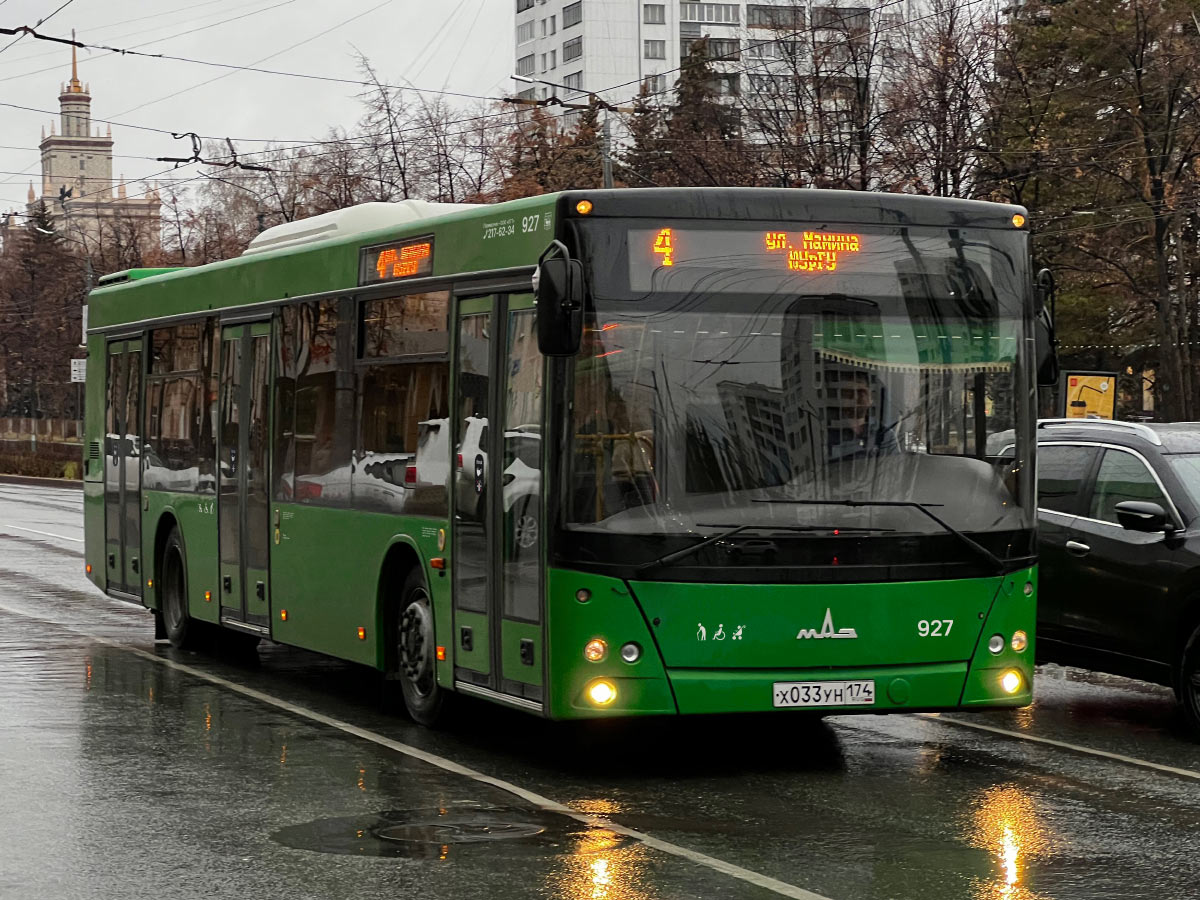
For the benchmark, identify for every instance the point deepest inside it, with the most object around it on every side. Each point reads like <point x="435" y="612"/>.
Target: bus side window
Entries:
<point x="402" y="455"/>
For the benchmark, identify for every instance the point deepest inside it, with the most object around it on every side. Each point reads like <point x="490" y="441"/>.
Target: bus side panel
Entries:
<point x="93" y="460"/>
<point x="325" y="569"/>
<point x="196" y="517"/>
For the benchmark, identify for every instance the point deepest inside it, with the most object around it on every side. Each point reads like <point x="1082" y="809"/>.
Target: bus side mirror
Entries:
<point x="1045" y="341"/>
<point x="558" y="289"/>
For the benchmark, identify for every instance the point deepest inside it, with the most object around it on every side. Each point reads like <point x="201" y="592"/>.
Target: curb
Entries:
<point x="42" y="482"/>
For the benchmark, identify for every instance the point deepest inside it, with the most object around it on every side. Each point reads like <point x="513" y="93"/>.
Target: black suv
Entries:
<point x="1119" y="545"/>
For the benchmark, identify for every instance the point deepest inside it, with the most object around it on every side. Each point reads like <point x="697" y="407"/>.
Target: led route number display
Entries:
<point x="391" y="262"/>
<point x="805" y="251"/>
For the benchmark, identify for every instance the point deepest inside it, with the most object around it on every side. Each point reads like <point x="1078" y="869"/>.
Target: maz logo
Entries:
<point x="827" y="630"/>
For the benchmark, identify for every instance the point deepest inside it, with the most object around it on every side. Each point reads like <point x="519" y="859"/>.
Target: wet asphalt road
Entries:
<point x="128" y="769"/>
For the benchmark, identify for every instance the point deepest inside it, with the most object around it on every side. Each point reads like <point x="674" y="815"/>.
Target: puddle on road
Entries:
<point x="456" y="831"/>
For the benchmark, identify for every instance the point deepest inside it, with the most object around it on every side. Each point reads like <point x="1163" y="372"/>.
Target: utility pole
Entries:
<point x="606" y="151"/>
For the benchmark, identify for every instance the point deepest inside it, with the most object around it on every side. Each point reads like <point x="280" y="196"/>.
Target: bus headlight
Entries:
<point x="602" y="692"/>
<point x="1010" y="681"/>
<point x="996" y="643"/>
<point x="1020" y="640"/>
<point x="595" y="650"/>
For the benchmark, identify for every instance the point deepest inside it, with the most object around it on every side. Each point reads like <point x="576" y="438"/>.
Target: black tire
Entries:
<point x="181" y="630"/>
<point x="416" y="653"/>
<point x="1188" y="685"/>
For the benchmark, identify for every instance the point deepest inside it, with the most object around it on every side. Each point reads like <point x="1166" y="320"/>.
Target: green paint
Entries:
<point x="326" y="563"/>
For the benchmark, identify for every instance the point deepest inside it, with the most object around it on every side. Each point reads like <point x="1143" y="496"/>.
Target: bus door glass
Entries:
<point x="497" y="498"/>
<point x="242" y="506"/>
<point x="122" y="466"/>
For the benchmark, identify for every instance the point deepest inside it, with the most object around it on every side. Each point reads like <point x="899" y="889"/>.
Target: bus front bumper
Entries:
<point x="895" y="688"/>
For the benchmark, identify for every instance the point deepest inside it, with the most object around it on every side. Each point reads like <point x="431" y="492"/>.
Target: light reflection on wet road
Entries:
<point x="120" y="776"/>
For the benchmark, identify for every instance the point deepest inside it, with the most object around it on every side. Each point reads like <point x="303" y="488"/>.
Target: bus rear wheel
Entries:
<point x="182" y="631"/>
<point x="416" y="653"/>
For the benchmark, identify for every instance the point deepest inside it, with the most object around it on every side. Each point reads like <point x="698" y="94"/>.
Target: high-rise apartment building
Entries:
<point x="612" y="47"/>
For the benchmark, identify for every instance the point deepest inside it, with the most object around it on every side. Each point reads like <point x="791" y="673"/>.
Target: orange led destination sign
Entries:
<point x="819" y="251"/>
<point x="390" y="262"/>
<point x="664" y="245"/>
<point x="804" y="251"/>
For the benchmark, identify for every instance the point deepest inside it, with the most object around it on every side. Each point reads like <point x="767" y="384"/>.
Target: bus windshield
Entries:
<point x="808" y="384"/>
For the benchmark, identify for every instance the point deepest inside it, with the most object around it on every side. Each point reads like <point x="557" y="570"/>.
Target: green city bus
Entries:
<point x="595" y="453"/>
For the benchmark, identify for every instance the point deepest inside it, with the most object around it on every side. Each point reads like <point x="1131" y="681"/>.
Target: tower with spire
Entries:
<point x="77" y="176"/>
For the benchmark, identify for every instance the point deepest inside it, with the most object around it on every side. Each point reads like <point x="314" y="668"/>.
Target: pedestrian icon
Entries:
<point x="701" y="635"/>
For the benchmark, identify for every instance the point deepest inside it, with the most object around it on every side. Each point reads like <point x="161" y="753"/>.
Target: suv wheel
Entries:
<point x="1189" y="683"/>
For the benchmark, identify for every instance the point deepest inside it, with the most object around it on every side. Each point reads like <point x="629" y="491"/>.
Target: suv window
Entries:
<point x="1061" y="470"/>
<point x="1122" y="476"/>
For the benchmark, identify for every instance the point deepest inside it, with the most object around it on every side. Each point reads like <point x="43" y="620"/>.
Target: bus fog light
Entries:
<point x="595" y="650"/>
<point x="631" y="652"/>
<point x="1029" y="589"/>
<point x="996" y="643"/>
<point x="583" y="595"/>
<point x="1020" y="640"/>
<point x="602" y="693"/>
<point x="1010" y="681"/>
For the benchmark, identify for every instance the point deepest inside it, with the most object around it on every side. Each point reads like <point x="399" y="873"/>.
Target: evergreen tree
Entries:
<point x="704" y="146"/>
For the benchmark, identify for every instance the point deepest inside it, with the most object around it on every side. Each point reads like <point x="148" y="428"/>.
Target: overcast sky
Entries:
<point x="454" y="45"/>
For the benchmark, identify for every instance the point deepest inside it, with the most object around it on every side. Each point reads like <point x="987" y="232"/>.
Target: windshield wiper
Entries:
<point x="677" y="555"/>
<point x="981" y="551"/>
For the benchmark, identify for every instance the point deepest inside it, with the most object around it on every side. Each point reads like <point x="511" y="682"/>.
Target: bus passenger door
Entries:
<point x="242" y="508"/>
<point x="122" y="467"/>
<point x="497" y="501"/>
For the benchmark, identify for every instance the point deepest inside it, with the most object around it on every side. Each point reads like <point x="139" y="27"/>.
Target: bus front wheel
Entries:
<point x="416" y="653"/>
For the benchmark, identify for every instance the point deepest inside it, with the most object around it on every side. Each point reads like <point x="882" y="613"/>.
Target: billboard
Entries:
<point x="1089" y="395"/>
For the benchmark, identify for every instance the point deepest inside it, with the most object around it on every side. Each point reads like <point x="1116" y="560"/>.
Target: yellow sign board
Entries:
<point x="1090" y="395"/>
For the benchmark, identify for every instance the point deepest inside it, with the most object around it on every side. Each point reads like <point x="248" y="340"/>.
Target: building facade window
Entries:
<point x="572" y="49"/>
<point x="553" y="29"/>
<point x="848" y="18"/>
<point x="723" y="49"/>
<point x="654" y="49"/>
<point x="713" y="13"/>
<point x="574" y="81"/>
<point x="525" y="65"/>
<point x="655" y="84"/>
<point x="654" y="14"/>
<point x="573" y="14"/>
<point x="525" y="32"/>
<point x="761" y="16"/>
<point x="553" y="59"/>
<point x="523" y="5"/>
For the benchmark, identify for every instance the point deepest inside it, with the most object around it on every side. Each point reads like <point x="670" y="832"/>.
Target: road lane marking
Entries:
<point x="1065" y="745"/>
<point x="61" y="537"/>
<point x="749" y="876"/>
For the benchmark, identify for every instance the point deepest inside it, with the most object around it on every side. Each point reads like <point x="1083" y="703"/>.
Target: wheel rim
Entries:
<point x="173" y="591"/>
<point x="416" y="641"/>
<point x="527" y="531"/>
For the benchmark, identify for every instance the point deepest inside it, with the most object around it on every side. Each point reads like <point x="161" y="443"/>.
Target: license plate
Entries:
<point x="824" y="693"/>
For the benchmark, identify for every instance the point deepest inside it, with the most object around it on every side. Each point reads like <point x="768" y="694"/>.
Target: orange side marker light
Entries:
<point x="283" y="615"/>
<point x="362" y="633"/>
<point x="441" y="654"/>
<point x="208" y="596"/>
<point x="438" y="562"/>
<point x="88" y="568"/>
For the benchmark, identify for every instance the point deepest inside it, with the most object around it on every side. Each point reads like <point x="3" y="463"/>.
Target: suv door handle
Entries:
<point x="1077" y="549"/>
